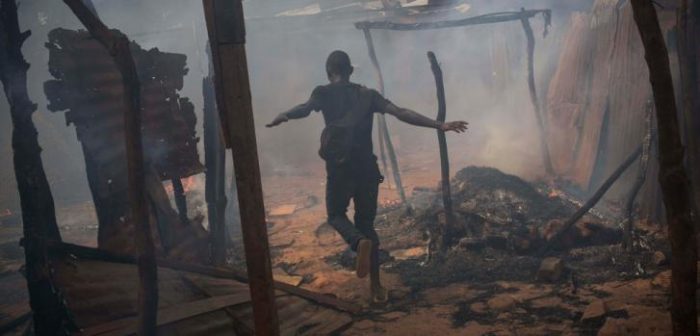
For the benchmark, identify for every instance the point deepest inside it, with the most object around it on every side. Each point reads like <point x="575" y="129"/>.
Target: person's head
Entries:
<point x="338" y="66"/>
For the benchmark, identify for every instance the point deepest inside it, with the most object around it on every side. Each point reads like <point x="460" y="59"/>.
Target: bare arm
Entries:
<point x="297" y="112"/>
<point x="417" y="119"/>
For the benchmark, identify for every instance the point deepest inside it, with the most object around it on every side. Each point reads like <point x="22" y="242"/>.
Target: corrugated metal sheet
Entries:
<point x="88" y="86"/>
<point x="98" y="292"/>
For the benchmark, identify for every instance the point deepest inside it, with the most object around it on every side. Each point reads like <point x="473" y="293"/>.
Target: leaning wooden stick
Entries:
<point x="118" y="47"/>
<point x="444" y="158"/>
<point x="592" y="201"/>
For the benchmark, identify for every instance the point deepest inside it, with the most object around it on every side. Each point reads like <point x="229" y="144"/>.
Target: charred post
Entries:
<point x="539" y="117"/>
<point x="226" y="27"/>
<point x="36" y="200"/>
<point x="382" y="124"/>
<point x="118" y="47"/>
<point x="444" y="156"/>
<point x="639" y="181"/>
<point x="675" y="185"/>
<point x="180" y="199"/>
<point x="688" y="26"/>
<point x="214" y="157"/>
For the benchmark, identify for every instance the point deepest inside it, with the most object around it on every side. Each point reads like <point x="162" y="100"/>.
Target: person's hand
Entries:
<point x="456" y="126"/>
<point x="280" y="119"/>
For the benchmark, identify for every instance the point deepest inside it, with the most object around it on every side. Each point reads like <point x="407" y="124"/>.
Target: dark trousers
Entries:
<point x="359" y="182"/>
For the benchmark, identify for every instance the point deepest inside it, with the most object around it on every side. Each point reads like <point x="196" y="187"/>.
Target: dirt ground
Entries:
<point x="303" y="251"/>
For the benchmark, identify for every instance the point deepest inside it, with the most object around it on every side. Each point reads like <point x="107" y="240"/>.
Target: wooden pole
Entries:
<point x="541" y="126"/>
<point x="180" y="199"/>
<point x="448" y="232"/>
<point x="36" y="201"/>
<point x="639" y="181"/>
<point x="593" y="200"/>
<point x="118" y="47"/>
<point x="226" y="27"/>
<point x="673" y="178"/>
<point x="214" y="158"/>
<point x="382" y="123"/>
<point x="689" y="61"/>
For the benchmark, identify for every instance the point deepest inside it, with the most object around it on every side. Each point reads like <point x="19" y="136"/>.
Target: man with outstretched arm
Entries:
<point x="351" y="166"/>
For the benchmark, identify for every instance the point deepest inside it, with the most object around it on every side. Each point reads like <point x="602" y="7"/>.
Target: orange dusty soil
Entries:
<point x="300" y="248"/>
<point x="636" y="307"/>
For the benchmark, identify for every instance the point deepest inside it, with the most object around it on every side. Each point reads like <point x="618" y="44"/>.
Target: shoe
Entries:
<point x="380" y="295"/>
<point x="362" y="261"/>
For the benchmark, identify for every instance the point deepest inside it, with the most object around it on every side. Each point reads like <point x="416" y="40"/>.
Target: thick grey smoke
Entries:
<point x="484" y="68"/>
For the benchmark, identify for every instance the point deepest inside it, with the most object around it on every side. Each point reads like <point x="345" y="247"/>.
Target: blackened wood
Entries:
<point x="118" y="48"/>
<point x="448" y="231"/>
<point x="382" y="123"/>
<point x="592" y="201"/>
<point x="226" y="27"/>
<point x="688" y="36"/>
<point x="239" y="327"/>
<point x="674" y="181"/>
<point x="541" y="127"/>
<point x="476" y="20"/>
<point x="219" y="272"/>
<point x="214" y="158"/>
<point x="36" y="201"/>
<point x="180" y="199"/>
<point x="639" y="181"/>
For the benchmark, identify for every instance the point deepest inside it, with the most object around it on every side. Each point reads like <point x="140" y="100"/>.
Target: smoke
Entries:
<point x="484" y="67"/>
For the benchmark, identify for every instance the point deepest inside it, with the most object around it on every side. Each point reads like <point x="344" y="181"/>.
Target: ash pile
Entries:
<point x="501" y="222"/>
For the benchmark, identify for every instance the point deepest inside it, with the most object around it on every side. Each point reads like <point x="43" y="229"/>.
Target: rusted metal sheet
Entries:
<point x="98" y="293"/>
<point x="88" y="87"/>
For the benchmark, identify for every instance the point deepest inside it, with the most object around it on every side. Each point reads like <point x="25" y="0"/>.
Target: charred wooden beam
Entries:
<point x="226" y="27"/>
<point x="449" y="229"/>
<point x="38" y="212"/>
<point x="382" y="124"/>
<point x="118" y="47"/>
<point x="592" y="201"/>
<point x="539" y="117"/>
<point x="476" y="20"/>
<point x="675" y="185"/>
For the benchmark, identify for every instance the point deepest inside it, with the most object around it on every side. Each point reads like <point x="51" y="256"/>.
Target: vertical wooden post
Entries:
<point x="214" y="158"/>
<point x="675" y="185"/>
<point x="38" y="213"/>
<point x="118" y="47"/>
<point x="689" y="60"/>
<point x="444" y="156"/>
<point x="226" y="27"/>
<point x="180" y="199"/>
<point x="542" y="128"/>
<point x="382" y="123"/>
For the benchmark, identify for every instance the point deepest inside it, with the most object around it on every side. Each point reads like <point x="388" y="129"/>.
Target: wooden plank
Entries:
<point x="226" y="28"/>
<point x="127" y="326"/>
<point x="97" y="254"/>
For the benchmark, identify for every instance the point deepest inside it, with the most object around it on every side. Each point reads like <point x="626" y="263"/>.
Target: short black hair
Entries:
<point x="338" y="63"/>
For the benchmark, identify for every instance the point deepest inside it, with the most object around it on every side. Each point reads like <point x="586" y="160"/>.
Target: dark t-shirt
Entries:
<point x="337" y="99"/>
